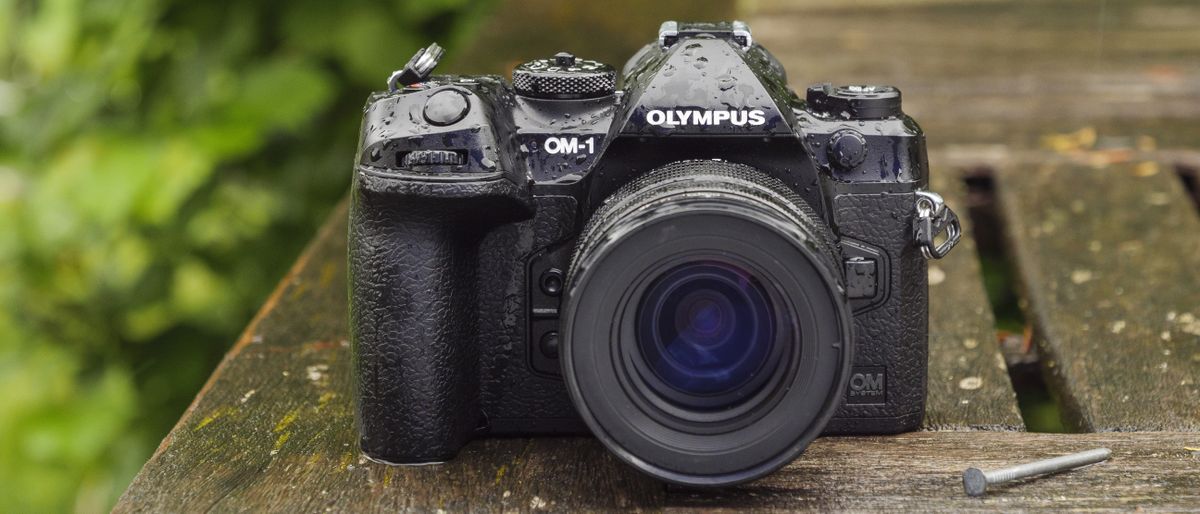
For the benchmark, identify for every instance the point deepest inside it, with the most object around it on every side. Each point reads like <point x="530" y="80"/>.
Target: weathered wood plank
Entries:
<point x="969" y="386"/>
<point x="1108" y="258"/>
<point x="922" y="471"/>
<point x="1003" y="71"/>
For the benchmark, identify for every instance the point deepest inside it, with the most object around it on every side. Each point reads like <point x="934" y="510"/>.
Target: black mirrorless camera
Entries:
<point x="688" y="260"/>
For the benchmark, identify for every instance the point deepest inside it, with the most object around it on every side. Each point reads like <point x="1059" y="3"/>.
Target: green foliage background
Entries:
<point x="161" y="164"/>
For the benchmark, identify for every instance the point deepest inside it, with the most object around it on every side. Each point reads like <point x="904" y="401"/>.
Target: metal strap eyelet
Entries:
<point x="933" y="218"/>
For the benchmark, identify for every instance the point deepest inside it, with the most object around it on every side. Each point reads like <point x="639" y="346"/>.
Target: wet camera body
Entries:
<point x="469" y="238"/>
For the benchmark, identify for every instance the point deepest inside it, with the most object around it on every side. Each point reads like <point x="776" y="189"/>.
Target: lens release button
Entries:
<point x="552" y="282"/>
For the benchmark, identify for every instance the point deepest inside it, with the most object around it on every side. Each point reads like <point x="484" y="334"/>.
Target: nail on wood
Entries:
<point x="976" y="481"/>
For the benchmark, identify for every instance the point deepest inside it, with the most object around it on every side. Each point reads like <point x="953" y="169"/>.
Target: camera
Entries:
<point x="685" y="259"/>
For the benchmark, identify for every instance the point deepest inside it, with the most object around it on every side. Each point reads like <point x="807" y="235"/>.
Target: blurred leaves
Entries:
<point x="161" y="164"/>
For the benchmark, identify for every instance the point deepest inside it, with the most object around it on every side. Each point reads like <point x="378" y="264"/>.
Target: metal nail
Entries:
<point x="976" y="481"/>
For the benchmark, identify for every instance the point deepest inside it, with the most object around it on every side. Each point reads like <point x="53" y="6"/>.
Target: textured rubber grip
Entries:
<point x="413" y="327"/>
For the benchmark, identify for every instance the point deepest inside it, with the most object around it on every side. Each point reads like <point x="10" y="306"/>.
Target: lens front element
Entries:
<point x="706" y="330"/>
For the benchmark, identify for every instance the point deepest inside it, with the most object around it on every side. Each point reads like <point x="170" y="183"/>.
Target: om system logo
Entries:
<point x="676" y="118"/>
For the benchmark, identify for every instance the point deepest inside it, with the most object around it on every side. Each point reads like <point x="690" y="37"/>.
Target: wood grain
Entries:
<point x="922" y="472"/>
<point x="1108" y="260"/>
<point x="968" y="383"/>
<point x="1004" y="72"/>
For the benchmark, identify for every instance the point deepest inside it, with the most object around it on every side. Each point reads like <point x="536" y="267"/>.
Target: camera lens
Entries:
<point x="705" y="330"/>
<point x="705" y="338"/>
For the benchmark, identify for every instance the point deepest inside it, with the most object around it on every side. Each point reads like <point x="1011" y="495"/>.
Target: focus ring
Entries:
<point x="689" y="177"/>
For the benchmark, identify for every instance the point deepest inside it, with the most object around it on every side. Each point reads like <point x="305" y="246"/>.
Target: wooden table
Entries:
<point x="1084" y="155"/>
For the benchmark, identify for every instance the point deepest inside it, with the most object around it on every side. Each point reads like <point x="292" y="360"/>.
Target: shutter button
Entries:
<point x="446" y="107"/>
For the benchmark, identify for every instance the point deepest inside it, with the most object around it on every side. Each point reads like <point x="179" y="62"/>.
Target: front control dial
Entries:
<point x="432" y="158"/>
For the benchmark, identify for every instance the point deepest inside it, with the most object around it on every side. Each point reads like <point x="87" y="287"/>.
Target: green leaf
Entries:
<point x="281" y="94"/>
<point x="161" y="164"/>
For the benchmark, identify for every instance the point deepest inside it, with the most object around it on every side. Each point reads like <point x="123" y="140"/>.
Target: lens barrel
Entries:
<point x="706" y="339"/>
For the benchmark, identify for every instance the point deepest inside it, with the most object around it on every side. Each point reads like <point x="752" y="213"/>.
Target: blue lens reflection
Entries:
<point x="706" y="329"/>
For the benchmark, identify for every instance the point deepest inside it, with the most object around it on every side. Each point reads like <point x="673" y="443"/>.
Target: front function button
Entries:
<point x="564" y="77"/>
<point x="446" y="107"/>
<point x="552" y="282"/>
<point x="433" y="158"/>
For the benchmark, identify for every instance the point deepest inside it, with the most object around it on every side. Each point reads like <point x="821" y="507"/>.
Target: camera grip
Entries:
<point x="412" y="312"/>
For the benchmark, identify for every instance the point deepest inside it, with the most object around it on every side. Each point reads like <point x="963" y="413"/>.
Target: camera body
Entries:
<point x="471" y="197"/>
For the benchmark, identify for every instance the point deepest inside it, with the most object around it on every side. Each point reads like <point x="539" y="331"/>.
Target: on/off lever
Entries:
<point x="418" y="68"/>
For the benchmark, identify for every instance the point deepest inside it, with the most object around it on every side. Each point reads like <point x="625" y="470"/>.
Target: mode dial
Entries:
<point x="564" y="77"/>
<point x="855" y="102"/>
